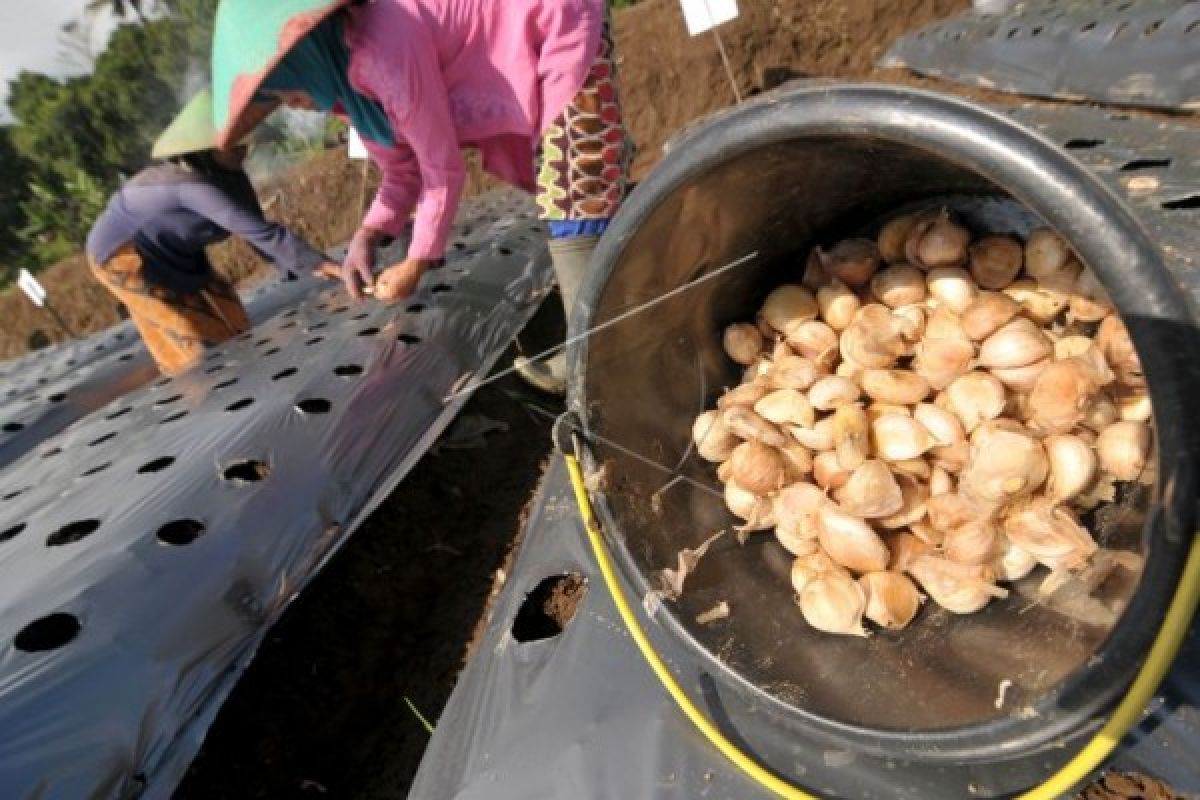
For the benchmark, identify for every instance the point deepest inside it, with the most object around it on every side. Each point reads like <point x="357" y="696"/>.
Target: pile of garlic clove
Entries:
<point x="927" y="413"/>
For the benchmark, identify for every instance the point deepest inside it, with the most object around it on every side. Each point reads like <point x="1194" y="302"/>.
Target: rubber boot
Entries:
<point x="570" y="258"/>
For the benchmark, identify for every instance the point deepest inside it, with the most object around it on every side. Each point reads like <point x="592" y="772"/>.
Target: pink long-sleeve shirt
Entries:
<point x="489" y="74"/>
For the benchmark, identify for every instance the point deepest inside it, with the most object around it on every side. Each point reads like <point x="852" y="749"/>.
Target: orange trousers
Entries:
<point x="175" y="326"/>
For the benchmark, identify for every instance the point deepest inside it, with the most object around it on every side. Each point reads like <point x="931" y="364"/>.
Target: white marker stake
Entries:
<point x="703" y="15"/>
<point x="37" y="295"/>
<point x="706" y="15"/>
<point x="33" y="290"/>
<point x="355" y="149"/>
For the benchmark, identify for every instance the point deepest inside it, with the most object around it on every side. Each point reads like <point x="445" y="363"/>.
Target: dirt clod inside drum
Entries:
<point x="1128" y="786"/>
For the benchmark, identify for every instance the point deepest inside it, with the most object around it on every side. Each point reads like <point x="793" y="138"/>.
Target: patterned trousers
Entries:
<point x="175" y="326"/>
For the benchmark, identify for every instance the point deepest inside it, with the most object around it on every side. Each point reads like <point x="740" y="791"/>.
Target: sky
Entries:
<point x="29" y="39"/>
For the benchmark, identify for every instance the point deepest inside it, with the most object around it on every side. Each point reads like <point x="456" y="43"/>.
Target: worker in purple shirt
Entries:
<point x="148" y="246"/>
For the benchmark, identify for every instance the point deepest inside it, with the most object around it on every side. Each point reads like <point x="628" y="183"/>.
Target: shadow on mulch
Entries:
<point x="323" y="709"/>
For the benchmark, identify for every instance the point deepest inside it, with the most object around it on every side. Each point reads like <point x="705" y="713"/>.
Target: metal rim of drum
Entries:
<point x="1107" y="236"/>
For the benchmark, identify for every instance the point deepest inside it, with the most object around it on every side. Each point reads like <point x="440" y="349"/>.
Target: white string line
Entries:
<point x="473" y="385"/>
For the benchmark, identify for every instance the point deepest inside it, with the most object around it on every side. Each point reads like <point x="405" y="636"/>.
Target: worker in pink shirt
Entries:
<point x="531" y="84"/>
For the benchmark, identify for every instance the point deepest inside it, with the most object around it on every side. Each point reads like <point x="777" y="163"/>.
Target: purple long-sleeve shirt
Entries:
<point x="170" y="214"/>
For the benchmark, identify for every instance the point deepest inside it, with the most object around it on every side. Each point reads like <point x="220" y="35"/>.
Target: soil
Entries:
<point x="324" y="709"/>
<point x="1129" y="786"/>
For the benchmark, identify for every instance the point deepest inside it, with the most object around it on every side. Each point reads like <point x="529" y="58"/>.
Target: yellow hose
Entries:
<point x="1162" y="653"/>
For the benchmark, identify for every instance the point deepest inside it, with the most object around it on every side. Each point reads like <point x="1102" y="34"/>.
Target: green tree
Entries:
<point x="79" y="137"/>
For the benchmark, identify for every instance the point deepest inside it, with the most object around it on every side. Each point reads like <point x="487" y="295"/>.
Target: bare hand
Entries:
<point x="330" y="271"/>
<point x="400" y="280"/>
<point x="360" y="258"/>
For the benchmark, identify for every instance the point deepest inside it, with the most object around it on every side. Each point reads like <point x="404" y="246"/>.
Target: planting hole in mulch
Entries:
<point x="11" y="532"/>
<point x="314" y="405"/>
<point x="48" y="633"/>
<point x="157" y="465"/>
<point x="549" y="608"/>
<point x="72" y="532"/>
<point x="247" y="471"/>
<point x="180" y="532"/>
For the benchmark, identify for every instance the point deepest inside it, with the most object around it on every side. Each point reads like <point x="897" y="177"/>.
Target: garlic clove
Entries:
<point x="942" y="323"/>
<point x="951" y="458"/>
<point x="1012" y="563"/>
<point x="914" y="496"/>
<point x="838" y="305"/>
<point x="873" y="339"/>
<point x="912" y="467"/>
<point x="758" y="512"/>
<point x="896" y="386"/>
<point x="795" y="509"/>
<point x="1038" y="304"/>
<point x="850" y="541"/>
<point x="1072" y="466"/>
<point x="1123" y="449"/>
<point x="1086" y="351"/>
<point x="850" y="436"/>
<point x="910" y="322"/>
<point x="937" y="241"/>
<point x="815" y="341"/>
<point x="1006" y="463"/>
<point x="1089" y="302"/>
<point x="809" y="566"/>
<point x="788" y="306"/>
<point x="989" y="312"/>
<point x="815" y="275"/>
<point x="928" y="534"/>
<point x="940" y="482"/>
<point x="725" y="470"/>
<point x="757" y="468"/>
<point x="975" y="398"/>
<point x="747" y="394"/>
<point x="745" y="424"/>
<point x="852" y="261"/>
<point x="797" y="462"/>
<point x="958" y="588"/>
<point x="940" y="361"/>
<point x="1045" y="253"/>
<point x="713" y="440"/>
<point x="878" y="409"/>
<point x="893" y="235"/>
<point x="871" y="491"/>
<point x="945" y="427"/>
<point x="976" y="542"/>
<point x="1021" y="379"/>
<point x="952" y="287"/>
<point x="757" y="371"/>
<point x="742" y="342"/>
<point x="952" y="510"/>
<point x="1060" y="395"/>
<point x="897" y="437"/>
<point x="1112" y="338"/>
<point x="1017" y="344"/>
<point x="817" y="438"/>
<point x="828" y="471"/>
<point x="995" y="261"/>
<point x="892" y="600"/>
<point x="1050" y="534"/>
<point x="1100" y="412"/>
<point x="1133" y="405"/>
<point x="786" y="407"/>
<point x="833" y="391"/>
<point x="833" y="602"/>
<point x="905" y="547"/>
<point x="792" y="372"/>
<point x="899" y="285"/>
